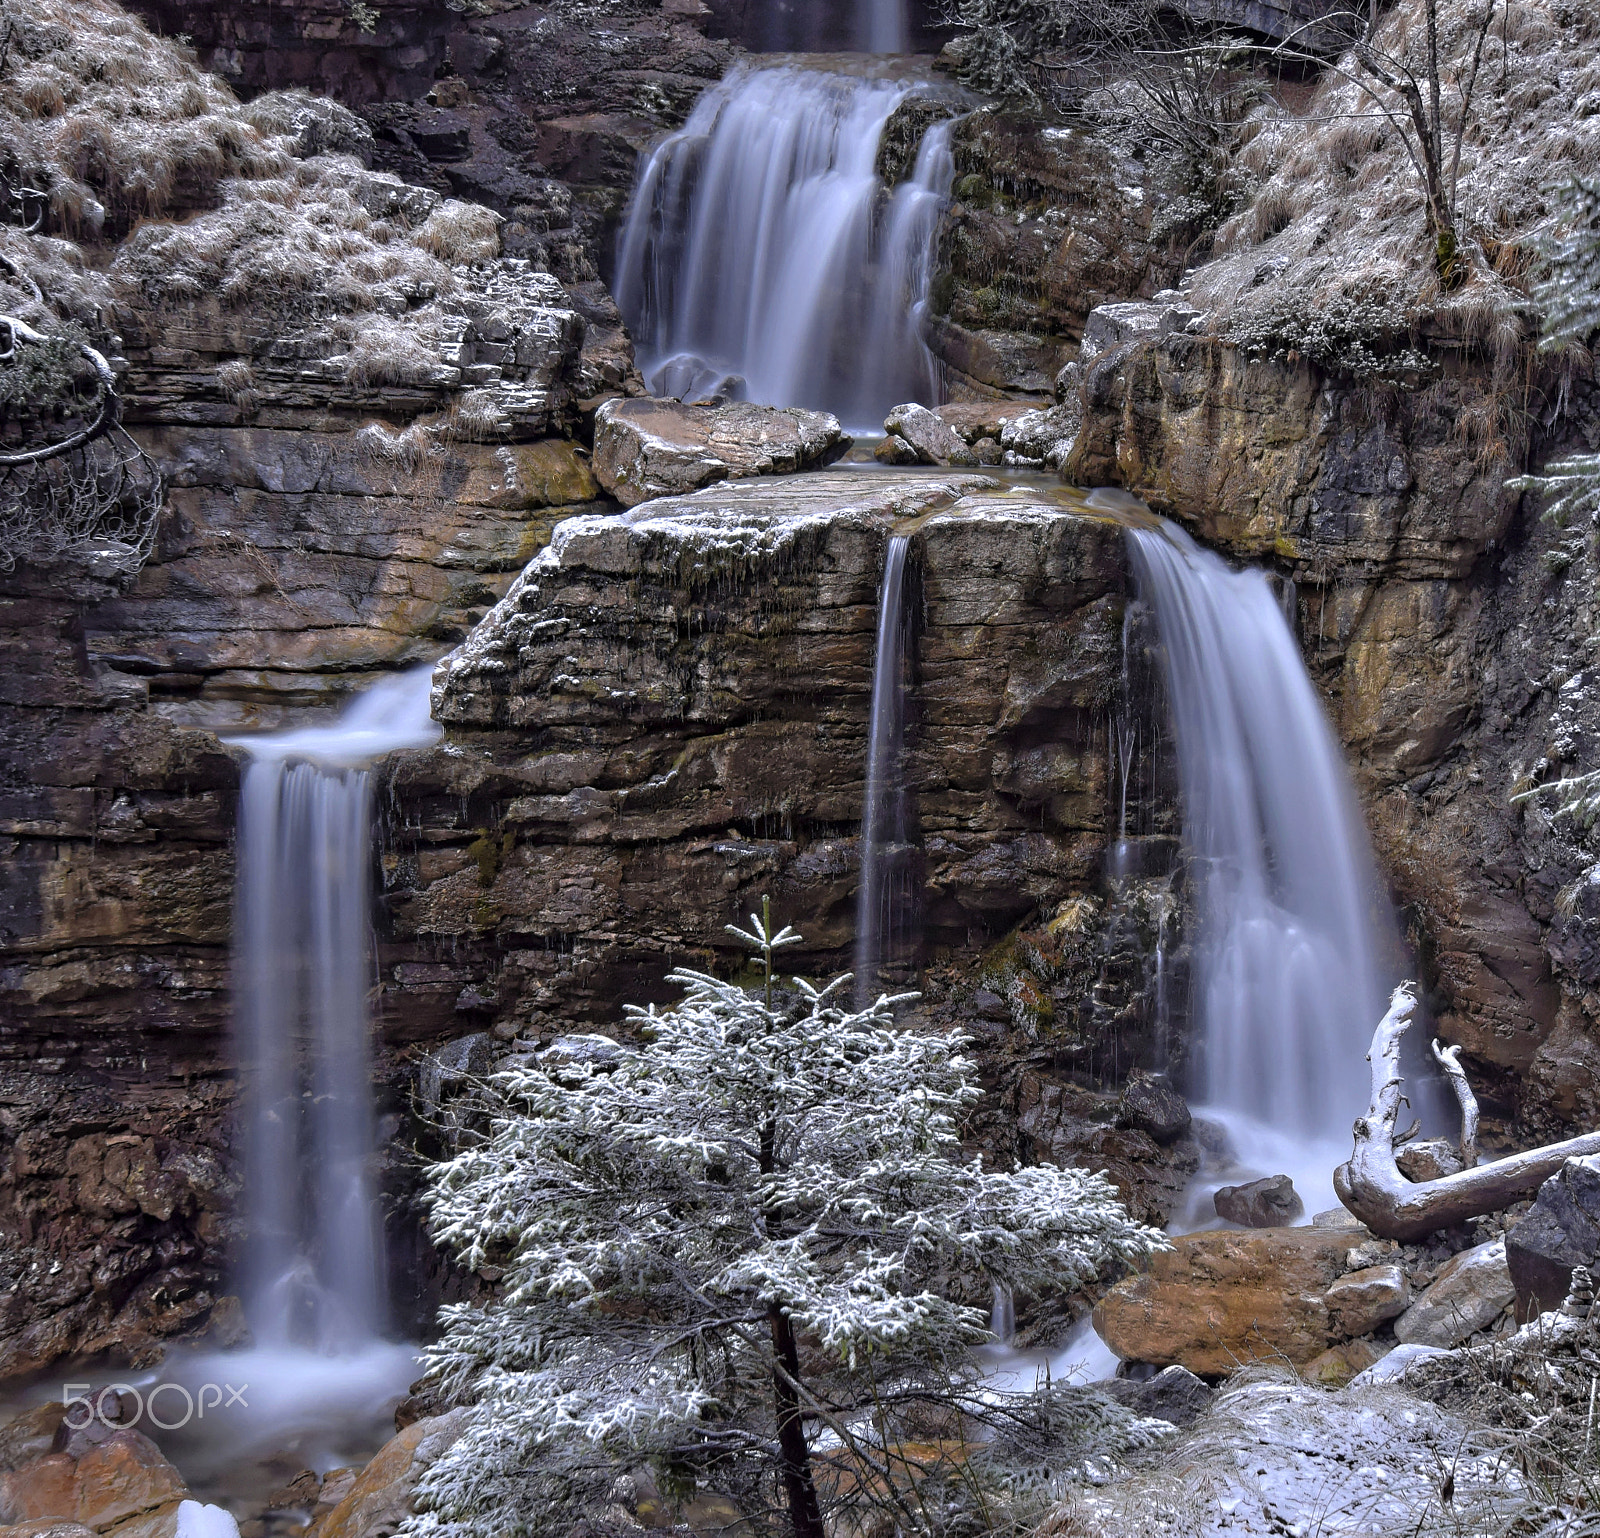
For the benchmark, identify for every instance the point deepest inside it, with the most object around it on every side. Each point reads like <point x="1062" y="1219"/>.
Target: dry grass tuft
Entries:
<point x="112" y="124"/>
<point x="267" y="206"/>
<point x="1337" y="222"/>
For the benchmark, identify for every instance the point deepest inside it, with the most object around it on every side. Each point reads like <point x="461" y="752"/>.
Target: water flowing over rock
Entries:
<point x="758" y="247"/>
<point x="650" y="448"/>
<point x="1290" y="969"/>
<point x="884" y="900"/>
<point x="313" y="1274"/>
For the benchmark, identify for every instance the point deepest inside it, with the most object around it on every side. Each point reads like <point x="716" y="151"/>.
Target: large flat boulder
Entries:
<point x="662" y="448"/>
<point x="1218" y="1300"/>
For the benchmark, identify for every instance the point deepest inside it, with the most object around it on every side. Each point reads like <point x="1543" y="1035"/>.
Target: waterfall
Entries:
<point x="883" y="898"/>
<point x="313" y="1272"/>
<point x="1290" y="963"/>
<point x="759" y="258"/>
<point x="873" y="26"/>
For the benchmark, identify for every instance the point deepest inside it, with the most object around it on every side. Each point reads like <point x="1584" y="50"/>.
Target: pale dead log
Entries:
<point x="1371" y="1184"/>
<point x="1449" y="1059"/>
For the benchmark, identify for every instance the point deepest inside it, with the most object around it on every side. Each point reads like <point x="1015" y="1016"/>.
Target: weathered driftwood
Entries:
<point x="1371" y="1184"/>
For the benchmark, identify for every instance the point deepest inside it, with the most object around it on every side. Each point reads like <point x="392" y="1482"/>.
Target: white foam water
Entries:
<point x="1292" y="959"/>
<point x="313" y="1270"/>
<point x="761" y="260"/>
<point x="883" y="897"/>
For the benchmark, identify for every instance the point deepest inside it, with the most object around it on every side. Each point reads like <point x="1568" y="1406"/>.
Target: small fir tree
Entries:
<point x="741" y="1253"/>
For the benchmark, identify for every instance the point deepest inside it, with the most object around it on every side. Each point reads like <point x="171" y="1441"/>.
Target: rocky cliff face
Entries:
<point x="1451" y="630"/>
<point x="539" y="112"/>
<point x="296" y="555"/>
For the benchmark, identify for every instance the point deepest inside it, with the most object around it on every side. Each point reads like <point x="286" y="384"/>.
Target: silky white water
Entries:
<point x="883" y="897"/>
<point x="760" y="259"/>
<point x="313" y="1269"/>
<point x="319" y="1378"/>
<point x="1292" y="954"/>
<point x="875" y="26"/>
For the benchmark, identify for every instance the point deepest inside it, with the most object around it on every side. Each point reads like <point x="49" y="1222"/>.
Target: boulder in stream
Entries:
<point x="1268" y="1203"/>
<point x="660" y="448"/>
<point x="934" y="441"/>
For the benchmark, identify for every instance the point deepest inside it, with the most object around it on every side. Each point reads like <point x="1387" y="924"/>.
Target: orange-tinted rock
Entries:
<point x="124" y="1476"/>
<point x="380" y="1498"/>
<point x="42" y="1488"/>
<point x="1218" y="1300"/>
<point x="1339" y="1364"/>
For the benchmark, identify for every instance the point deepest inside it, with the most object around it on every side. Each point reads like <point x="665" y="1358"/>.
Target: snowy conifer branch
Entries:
<point x="743" y="1250"/>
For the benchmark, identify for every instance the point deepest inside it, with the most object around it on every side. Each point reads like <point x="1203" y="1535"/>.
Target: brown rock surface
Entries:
<point x="1218" y="1300"/>
<point x="115" y="1481"/>
<point x="662" y="448"/>
<point x="380" y="1497"/>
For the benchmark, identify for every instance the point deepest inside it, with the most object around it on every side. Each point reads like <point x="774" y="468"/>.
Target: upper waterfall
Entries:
<point x="865" y="26"/>
<point x="760" y="259"/>
<point x="1291" y="962"/>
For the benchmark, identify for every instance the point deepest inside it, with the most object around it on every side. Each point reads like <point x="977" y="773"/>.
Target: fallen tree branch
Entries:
<point x="107" y="408"/>
<point x="1371" y="1184"/>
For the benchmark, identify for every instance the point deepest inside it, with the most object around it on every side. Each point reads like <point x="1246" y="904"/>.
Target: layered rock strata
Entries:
<point x="1452" y="632"/>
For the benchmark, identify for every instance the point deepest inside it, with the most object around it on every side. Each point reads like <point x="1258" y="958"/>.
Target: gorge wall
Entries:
<point x="664" y="716"/>
<point x="1450" y="629"/>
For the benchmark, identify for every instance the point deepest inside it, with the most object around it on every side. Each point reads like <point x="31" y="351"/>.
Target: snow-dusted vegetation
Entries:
<point x="750" y="1253"/>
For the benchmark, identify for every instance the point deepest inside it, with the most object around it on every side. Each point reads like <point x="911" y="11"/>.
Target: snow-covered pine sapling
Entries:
<point x="735" y="1250"/>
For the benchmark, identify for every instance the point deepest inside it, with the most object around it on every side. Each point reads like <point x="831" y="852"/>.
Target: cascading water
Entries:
<point x="759" y="258"/>
<point x="320" y="1377"/>
<point x="1290" y="964"/>
<point x="883" y="900"/>
<point x="313" y="1270"/>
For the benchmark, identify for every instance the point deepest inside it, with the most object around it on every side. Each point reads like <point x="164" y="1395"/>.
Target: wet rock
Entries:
<point x="657" y="448"/>
<point x="1217" y="1300"/>
<point x="1152" y="1105"/>
<point x="1469" y="1292"/>
<point x="1340" y="1364"/>
<point x="30" y="1435"/>
<point x="1174" y="1394"/>
<point x="1362" y="1300"/>
<point x="379" y="1499"/>
<point x="1429" y="1159"/>
<point x="895" y="451"/>
<point x="1561" y="1230"/>
<point x="1043" y="437"/>
<point x="974" y="421"/>
<point x="1271" y="1202"/>
<point x="122" y="1478"/>
<point x="989" y="451"/>
<point x="935" y="442"/>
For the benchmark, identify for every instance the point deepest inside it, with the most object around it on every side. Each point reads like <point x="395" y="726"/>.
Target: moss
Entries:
<point x="489" y="854"/>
